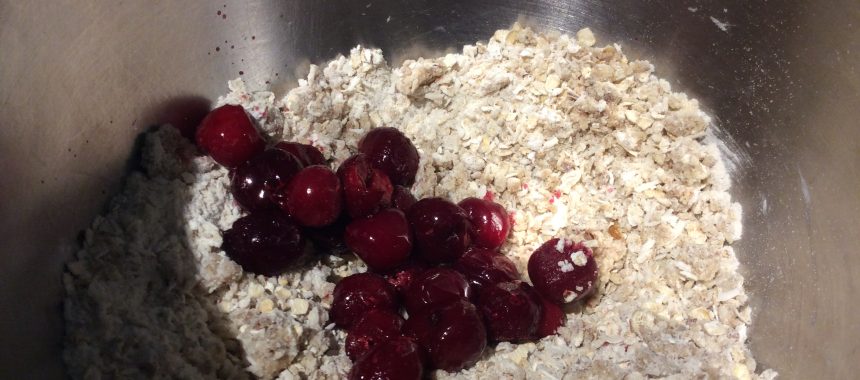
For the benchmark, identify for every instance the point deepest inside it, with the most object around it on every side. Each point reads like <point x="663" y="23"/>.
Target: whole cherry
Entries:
<point x="440" y="228"/>
<point x="382" y="241"/>
<point x="391" y="151"/>
<point x="266" y="243"/>
<point x="511" y="310"/>
<point x="366" y="190"/>
<point x="313" y="197"/>
<point x="434" y="288"/>
<point x="359" y="293"/>
<point x="453" y="336"/>
<point x="490" y="222"/>
<point x="483" y="266"/>
<point x="256" y="182"/>
<point x="228" y="136"/>
<point x="563" y="271"/>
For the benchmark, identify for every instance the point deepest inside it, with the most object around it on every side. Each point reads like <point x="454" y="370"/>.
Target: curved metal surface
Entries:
<point x="80" y="80"/>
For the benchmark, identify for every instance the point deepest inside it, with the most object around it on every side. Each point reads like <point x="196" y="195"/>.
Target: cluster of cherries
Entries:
<point x="432" y="260"/>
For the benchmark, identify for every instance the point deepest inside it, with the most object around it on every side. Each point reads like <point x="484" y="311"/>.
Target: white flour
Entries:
<point x="577" y="141"/>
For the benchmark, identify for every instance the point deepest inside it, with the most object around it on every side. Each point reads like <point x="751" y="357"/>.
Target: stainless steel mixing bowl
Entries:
<point x="79" y="80"/>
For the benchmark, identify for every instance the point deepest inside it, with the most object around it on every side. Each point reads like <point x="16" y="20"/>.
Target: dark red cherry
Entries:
<point x="453" y="337"/>
<point x="563" y="271"/>
<point x="382" y="241"/>
<point x="357" y="294"/>
<point x="308" y="155"/>
<point x="434" y="288"/>
<point x="228" y="136"/>
<point x="329" y="239"/>
<point x="440" y="228"/>
<point x="255" y="182"/>
<point x="314" y="197"/>
<point x="402" y="277"/>
<point x="552" y="317"/>
<point x="482" y="266"/>
<point x="395" y="359"/>
<point x="402" y="199"/>
<point x="266" y="243"/>
<point x="391" y="151"/>
<point x="511" y="311"/>
<point x="490" y="222"/>
<point x="376" y="326"/>
<point x="366" y="190"/>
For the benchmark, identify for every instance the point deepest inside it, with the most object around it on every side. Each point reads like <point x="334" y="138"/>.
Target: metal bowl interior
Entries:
<point x="80" y="80"/>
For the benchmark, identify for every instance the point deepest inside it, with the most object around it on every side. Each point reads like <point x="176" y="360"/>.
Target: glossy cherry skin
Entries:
<point x="391" y="151"/>
<point x="357" y="294"/>
<point x="402" y="199"/>
<point x="256" y="182"/>
<point x="435" y="288"/>
<point x="266" y="243"/>
<point x="482" y="266"/>
<point x="440" y="229"/>
<point x="398" y="358"/>
<point x="228" y="136"/>
<point x="563" y="271"/>
<point x="375" y="327"/>
<point x="453" y="337"/>
<point x="382" y="241"/>
<point x="366" y="190"/>
<point x="490" y="222"/>
<point x="308" y="155"/>
<point x="314" y="197"/>
<point x="511" y="311"/>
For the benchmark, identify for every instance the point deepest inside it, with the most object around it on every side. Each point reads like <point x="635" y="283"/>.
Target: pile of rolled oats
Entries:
<point x="575" y="140"/>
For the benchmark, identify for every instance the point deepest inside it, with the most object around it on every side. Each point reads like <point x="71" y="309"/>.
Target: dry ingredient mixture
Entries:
<point x="574" y="139"/>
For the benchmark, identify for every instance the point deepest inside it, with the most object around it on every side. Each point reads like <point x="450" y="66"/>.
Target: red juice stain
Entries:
<point x="489" y="196"/>
<point x="556" y="193"/>
<point x="224" y="16"/>
<point x="511" y="220"/>
<point x="241" y="72"/>
<point x="253" y="37"/>
<point x="217" y="48"/>
<point x="218" y="13"/>
<point x="525" y="186"/>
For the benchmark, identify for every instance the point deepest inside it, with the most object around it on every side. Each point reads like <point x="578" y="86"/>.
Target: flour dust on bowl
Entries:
<point x="608" y="192"/>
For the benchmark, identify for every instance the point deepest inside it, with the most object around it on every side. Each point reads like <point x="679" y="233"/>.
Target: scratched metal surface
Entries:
<point x="80" y="80"/>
